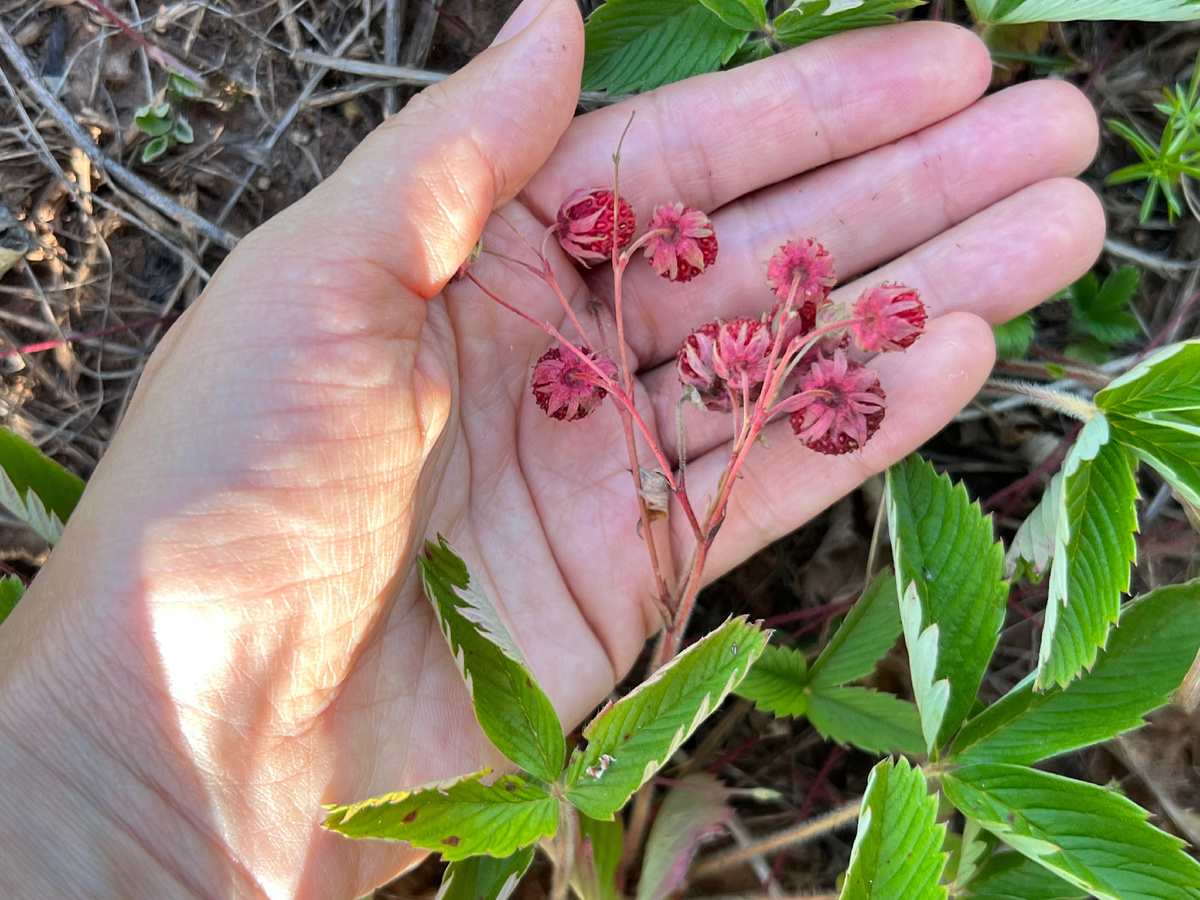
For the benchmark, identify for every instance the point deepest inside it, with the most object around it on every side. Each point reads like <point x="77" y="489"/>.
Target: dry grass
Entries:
<point x="290" y="88"/>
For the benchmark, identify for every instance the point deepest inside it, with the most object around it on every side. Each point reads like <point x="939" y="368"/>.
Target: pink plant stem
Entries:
<point x="86" y="336"/>
<point x="547" y="275"/>
<point x="160" y="56"/>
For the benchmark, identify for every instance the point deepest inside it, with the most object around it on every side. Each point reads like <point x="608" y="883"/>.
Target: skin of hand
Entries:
<point x="231" y="631"/>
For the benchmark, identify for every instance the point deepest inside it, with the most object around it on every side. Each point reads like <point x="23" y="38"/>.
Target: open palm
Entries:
<point x="242" y="563"/>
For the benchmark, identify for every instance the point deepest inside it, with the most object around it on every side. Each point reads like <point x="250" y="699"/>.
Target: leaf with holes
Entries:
<point x="633" y="738"/>
<point x="807" y="21"/>
<point x="1146" y="659"/>
<point x="897" y="852"/>
<point x="642" y="44"/>
<point x="1012" y="12"/>
<point x="1090" y="836"/>
<point x="484" y="877"/>
<point x="458" y="818"/>
<point x="868" y="719"/>
<point x="1093" y="549"/>
<point x="942" y="543"/>
<point x="512" y="709"/>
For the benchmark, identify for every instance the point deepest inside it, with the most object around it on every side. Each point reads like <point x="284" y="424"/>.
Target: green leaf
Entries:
<point x="153" y="121"/>
<point x="484" y="877"/>
<point x="597" y="857"/>
<point x="181" y="131"/>
<point x="1008" y="12"/>
<point x="1093" y="549"/>
<point x="1171" y="451"/>
<point x="865" y="636"/>
<point x="933" y="697"/>
<point x="633" y="738"/>
<point x="693" y="810"/>
<point x="806" y="21"/>
<point x="943" y="543"/>
<point x="745" y="15"/>
<point x="897" y="851"/>
<point x="1146" y="659"/>
<point x="751" y="51"/>
<point x="1033" y="544"/>
<point x="776" y="682"/>
<point x="1164" y="383"/>
<point x="1105" y="312"/>
<point x="1092" y="837"/>
<point x="868" y="719"/>
<point x="1014" y="337"/>
<point x="182" y="87"/>
<point x="975" y="849"/>
<point x="458" y="818"/>
<point x="1090" y="351"/>
<point x="11" y="590"/>
<point x="512" y="709"/>
<point x="29" y="469"/>
<point x="642" y="44"/>
<point x="1010" y="876"/>
<point x="155" y="149"/>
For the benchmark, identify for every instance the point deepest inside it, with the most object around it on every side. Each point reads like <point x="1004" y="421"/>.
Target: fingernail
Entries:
<point x="521" y="18"/>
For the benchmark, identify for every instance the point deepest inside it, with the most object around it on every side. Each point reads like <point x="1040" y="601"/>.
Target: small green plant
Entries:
<point x="1175" y="153"/>
<point x="162" y="122"/>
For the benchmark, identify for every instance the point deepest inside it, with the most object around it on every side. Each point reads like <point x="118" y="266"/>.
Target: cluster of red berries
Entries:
<point x="805" y="355"/>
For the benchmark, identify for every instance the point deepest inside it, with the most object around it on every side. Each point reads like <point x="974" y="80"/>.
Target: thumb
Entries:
<point x="414" y="196"/>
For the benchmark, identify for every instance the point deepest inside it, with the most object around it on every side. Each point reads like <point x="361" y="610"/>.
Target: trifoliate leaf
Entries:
<point x="776" y="682"/>
<point x="1014" y="337"/>
<point x="1010" y="876"/>
<point x="633" y="738"/>
<point x="867" y="719"/>
<point x="1092" y="837"/>
<point x="484" y="877"/>
<point x="1033" y="544"/>
<point x="1104" y="310"/>
<point x="864" y="637"/>
<point x="1147" y="656"/>
<point x="11" y="590"/>
<point x="1093" y="549"/>
<point x="30" y="470"/>
<point x="806" y="21"/>
<point x="897" y="852"/>
<point x="693" y="810"/>
<point x="641" y="44"/>
<point x="999" y="12"/>
<point x="942" y="543"/>
<point x="512" y="709"/>
<point x="458" y="818"/>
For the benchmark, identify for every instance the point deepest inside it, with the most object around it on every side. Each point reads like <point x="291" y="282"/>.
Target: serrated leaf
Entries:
<point x="942" y="543"/>
<point x="633" y="738"/>
<point x="1105" y="312"/>
<point x="1010" y="876"/>
<point x="30" y="510"/>
<point x="1033" y="544"/>
<point x="642" y="44"/>
<point x="693" y="810"/>
<point x="1146" y="659"/>
<point x="1014" y="337"/>
<point x="868" y="719"/>
<point x="998" y="12"/>
<point x="933" y="697"/>
<point x="1164" y="383"/>
<point x="1092" y="837"/>
<point x="11" y="590"/>
<point x="29" y="469"/>
<point x="1170" y="451"/>
<point x="807" y="21"/>
<point x="776" y="682"/>
<point x="512" y="709"/>
<point x="864" y="637"/>
<point x="458" y="818"/>
<point x="751" y="51"/>
<point x="484" y="877"/>
<point x="597" y="858"/>
<point x="897" y="851"/>
<point x="975" y="850"/>
<point x="1093" y="549"/>
<point x="745" y="15"/>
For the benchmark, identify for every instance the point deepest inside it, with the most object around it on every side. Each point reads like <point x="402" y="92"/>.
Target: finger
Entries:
<point x="708" y="140"/>
<point x="786" y="484"/>
<point x="997" y="264"/>
<point x="414" y="196"/>
<point x="869" y="209"/>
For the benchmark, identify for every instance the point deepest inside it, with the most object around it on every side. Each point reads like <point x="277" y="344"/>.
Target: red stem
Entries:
<point x="160" y="56"/>
<point x="86" y="336"/>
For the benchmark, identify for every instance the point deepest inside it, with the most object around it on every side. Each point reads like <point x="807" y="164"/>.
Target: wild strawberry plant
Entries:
<point x="806" y="359"/>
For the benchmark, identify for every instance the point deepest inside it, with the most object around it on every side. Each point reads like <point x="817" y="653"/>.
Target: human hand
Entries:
<point x="231" y="631"/>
